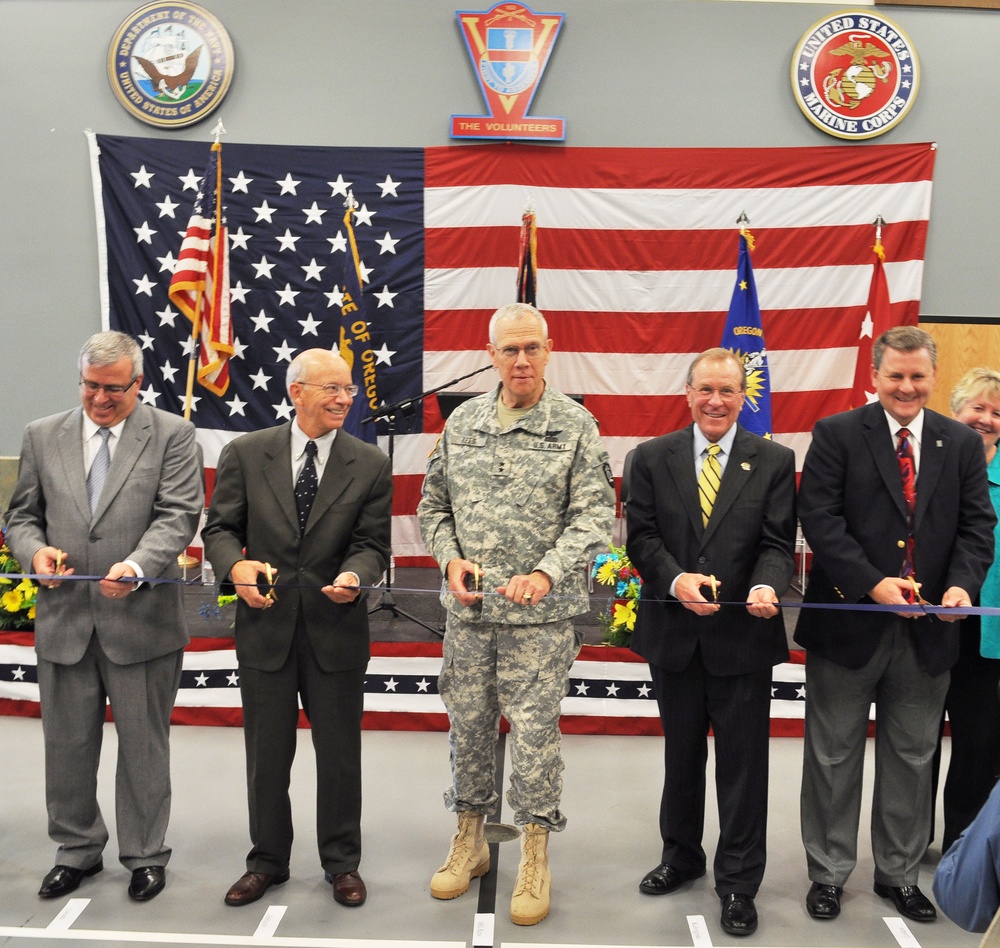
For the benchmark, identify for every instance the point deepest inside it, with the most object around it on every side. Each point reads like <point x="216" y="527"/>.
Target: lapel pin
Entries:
<point x="745" y="465"/>
<point x="939" y="443"/>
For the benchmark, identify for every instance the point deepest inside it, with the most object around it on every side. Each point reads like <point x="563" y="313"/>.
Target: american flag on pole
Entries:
<point x="200" y="283"/>
<point x="636" y="276"/>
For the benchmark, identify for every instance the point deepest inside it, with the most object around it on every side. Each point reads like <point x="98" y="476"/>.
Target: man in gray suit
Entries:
<point x="312" y="504"/>
<point x="711" y="515"/>
<point x="112" y="489"/>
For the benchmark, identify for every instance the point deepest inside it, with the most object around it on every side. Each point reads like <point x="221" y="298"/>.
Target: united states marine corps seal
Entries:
<point x="855" y="74"/>
<point x="170" y="64"/>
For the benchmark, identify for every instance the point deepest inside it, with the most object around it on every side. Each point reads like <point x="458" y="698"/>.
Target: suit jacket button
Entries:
<point x="901" y="543"/>
<point x="702" y="560"/>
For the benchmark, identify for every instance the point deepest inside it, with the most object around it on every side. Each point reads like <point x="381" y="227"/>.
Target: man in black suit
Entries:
<point x="882" y="535"/>
<point x="711" y="515"/>
<point x="311" y="640"/>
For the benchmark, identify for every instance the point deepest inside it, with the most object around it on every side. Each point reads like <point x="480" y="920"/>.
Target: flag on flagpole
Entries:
<point x="743" y="334"/>
<point x="878" y="318"/>
<point x="199" y="286"/>
<point x="355" y="337"/>
<point x="527" y="270"/>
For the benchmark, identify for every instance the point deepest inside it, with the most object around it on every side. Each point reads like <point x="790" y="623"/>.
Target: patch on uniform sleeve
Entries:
<point x="608" y="474"/>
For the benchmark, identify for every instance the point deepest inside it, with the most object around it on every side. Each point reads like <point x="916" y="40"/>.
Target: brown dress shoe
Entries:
<point x="252" y="885"/>
<point x="349" y="888"/>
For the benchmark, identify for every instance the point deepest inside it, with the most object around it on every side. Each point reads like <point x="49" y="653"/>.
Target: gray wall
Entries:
<point x="631" y="73"/>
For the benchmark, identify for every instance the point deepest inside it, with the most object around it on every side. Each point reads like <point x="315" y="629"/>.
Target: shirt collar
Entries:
<point x="300" y="439"/>
<point x="915" y="427"/>
<point x="725" y="442"/>
<point x="90" y="428"/>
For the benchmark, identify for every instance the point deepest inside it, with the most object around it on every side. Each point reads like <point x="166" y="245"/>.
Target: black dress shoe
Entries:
<point x="62" y="880"/>
<point x="739" y="916"/>
<point x="909" y="901"/>
<point x="823" y="901"/>
<point x="252" y="885"/>
<point x="348" y="888"/>
<point x="147" y="882"/>
<point x="664" y="879"/>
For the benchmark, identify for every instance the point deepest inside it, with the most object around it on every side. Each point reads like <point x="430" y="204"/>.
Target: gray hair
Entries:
<point x="515" y="312"/>
<point x="718" y="354"/>
<point x="976" y="383"/>
<point x="106" y="348"/>
<point x="903" y="339"/>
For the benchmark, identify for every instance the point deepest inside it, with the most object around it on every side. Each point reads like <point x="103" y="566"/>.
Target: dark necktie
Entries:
<point x="99" y="469"/>
<point x="907" y="471"/>
<point x="305" y="486"/>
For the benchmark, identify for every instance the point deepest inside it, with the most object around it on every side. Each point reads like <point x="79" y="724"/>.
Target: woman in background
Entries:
<point x="972" y="704"/>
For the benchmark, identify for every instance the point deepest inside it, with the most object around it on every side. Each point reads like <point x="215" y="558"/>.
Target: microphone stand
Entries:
<point x="387" y="602"/>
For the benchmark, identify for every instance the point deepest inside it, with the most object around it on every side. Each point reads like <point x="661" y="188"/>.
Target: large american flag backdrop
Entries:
<point x="637" y="253"/>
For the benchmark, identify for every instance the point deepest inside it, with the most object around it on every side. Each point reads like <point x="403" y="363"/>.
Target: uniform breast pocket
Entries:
<point x="547" y="471"/>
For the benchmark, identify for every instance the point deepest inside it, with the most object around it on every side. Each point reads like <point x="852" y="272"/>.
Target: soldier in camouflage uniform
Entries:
<point x="517" y="499"/>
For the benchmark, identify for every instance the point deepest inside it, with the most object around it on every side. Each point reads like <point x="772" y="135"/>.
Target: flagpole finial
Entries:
<point x="743" y="221"/>
<point x="878" y="224"/>
<point x="218" y="131"/>
<point x="350" y="200"/>
<point x="529" y="205"/>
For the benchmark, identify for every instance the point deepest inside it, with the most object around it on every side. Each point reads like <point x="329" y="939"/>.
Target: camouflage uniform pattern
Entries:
<point x="538" y="496"/>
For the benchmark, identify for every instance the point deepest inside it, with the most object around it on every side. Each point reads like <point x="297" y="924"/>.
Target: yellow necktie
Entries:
<point x="708" y="482"/>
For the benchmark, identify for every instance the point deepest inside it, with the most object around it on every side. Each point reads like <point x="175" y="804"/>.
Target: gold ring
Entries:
<point x="527" y="597"/>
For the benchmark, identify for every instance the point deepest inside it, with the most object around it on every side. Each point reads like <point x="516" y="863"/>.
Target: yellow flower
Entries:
<point x="624" y="614"/>
<point x="12" y="600"/>
<point x="31" y="613"/>
<point x="607" y="573"/>
<point x="27" y="587"/>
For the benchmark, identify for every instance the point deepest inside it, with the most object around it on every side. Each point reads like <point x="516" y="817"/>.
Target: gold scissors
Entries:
<point x="272" y="578"/>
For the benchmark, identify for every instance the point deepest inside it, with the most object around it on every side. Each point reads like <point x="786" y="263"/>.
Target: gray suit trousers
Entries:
<point x="908" y="705"/>
<point x="73" y="701"/>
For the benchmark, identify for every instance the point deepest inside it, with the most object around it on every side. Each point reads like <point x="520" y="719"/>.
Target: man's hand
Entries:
<point x="892" y="591"/>
<point x="345" y="588"/>
<point x="527" y="590"/>
<point x="49" y="561"/>
<point x="954" y="598"/>
<point x="688" y="590"/>
<point x="456" y="573"/>
<point x="110" y="588"/>
<point x="245" y="575"/>
<point x="762" y="602"/>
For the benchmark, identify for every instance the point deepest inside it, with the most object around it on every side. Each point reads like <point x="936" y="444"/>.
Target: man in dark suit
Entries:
<point x="111" y="489"/>
<point x="310" y="641"/>
<point x="711" y="515"/>
<point x="893" y="499"/>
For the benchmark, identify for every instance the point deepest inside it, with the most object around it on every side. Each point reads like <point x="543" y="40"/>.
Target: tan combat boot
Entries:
<point x="530" y="902"/>
<point x="468" y="858"/>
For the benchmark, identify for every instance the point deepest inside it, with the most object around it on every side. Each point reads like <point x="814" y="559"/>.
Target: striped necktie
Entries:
<point x="99" y="469"/>
<point x="708" y="482"/>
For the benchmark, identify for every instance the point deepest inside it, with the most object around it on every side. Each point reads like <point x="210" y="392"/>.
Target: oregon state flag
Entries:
<point x="744" y="336"/>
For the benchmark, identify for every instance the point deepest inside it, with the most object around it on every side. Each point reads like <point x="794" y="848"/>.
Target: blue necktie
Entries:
<point x="99" y="469"/>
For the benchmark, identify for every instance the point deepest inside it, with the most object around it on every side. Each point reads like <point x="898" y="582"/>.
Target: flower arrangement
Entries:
<point x="614" y="568"/>
<point x="17" y="600"/>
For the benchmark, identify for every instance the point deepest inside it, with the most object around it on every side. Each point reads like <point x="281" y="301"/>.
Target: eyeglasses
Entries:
<point x="114" y="391"/>
<point x="510" y="353"/>
<point x="726" y="394"/>
<point x="332" y="388"/>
